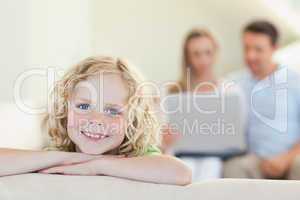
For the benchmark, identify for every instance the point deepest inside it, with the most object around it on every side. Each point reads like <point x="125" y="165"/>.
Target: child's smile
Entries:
<point x="94" y="136"/>
<point x="93" y="130"/>
<point x="96" y="119"/>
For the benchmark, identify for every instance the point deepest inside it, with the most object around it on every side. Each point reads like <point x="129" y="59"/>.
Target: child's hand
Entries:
<point x="74" y="169"/>
<point x="88" y="168"/>
<point x="75" y="158"/>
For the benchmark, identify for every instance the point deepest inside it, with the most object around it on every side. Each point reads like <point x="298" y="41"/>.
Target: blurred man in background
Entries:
<point x="273" y="99"/>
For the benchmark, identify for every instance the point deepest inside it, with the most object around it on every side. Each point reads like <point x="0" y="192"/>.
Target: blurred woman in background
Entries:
<point x="199" y="55"/>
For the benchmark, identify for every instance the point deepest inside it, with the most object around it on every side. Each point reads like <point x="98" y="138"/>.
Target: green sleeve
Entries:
<point x="152" y="150"/>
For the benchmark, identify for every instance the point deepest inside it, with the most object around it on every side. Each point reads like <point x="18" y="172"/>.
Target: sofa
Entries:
<point x="48" y="187"/>
<point x="22" y="130"/>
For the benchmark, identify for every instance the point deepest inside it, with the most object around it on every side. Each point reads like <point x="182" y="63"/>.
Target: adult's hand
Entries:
<point x="276" y="167"/>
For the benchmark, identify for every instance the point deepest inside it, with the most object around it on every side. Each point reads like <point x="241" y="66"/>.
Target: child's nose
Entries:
<point x="95" y="123"/>
<point x="96" y="116"/>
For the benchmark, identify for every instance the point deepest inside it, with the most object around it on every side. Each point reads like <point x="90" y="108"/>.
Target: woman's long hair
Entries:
<point x="181" y="84"/>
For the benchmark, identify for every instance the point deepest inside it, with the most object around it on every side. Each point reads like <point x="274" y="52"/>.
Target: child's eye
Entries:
<point x="84" y="106"/>
<point x="112" y="111"/>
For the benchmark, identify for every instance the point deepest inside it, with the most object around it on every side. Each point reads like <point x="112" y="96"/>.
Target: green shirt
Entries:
<point x="152" y="150"/>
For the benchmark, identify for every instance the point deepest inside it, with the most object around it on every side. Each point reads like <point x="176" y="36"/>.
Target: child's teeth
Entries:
<point x="96" y="136"/>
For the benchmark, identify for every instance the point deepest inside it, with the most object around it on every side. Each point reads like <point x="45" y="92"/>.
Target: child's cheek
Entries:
<point x="76" y="120"/>
<point x="117" y="125"/>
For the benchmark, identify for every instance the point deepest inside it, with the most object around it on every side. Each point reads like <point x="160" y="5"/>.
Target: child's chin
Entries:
<point x="91" y="151"/>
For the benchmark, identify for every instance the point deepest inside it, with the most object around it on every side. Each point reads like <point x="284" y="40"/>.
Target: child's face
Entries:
<point x="96" y="114"/>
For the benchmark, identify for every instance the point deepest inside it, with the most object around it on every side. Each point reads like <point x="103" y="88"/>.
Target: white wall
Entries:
<point x="58" y="33"/>
<point x="14" y="20"/>
<point x="289" y="56"/>
<point x="150" y="33"/>
<point x="37" y="34"/>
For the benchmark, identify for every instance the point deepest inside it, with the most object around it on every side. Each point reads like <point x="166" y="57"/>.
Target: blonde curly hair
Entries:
<point x="142" y="129"/>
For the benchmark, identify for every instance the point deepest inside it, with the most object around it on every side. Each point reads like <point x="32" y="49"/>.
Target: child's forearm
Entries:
<point x="156" y="169"/>
<point x="13" y="161"/>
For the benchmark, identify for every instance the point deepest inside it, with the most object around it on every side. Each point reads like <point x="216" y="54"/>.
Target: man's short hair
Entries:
<point x="264" y="27"/>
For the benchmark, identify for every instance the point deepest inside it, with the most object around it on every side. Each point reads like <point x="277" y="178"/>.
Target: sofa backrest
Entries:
<point x="20" y="129"/>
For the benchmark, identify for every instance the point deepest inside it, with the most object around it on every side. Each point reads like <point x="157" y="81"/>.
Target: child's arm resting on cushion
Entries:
<point x="153" y="168"/>
<point x="150" y="168"/>
<point x="14" y="161"/>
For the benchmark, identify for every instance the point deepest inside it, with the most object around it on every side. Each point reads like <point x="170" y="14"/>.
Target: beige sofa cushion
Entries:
<point x="20" y="129"/>
<point x="50" y="187"/>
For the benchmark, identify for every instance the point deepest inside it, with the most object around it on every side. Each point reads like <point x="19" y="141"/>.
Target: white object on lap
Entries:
<point x="206" y="168"/>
